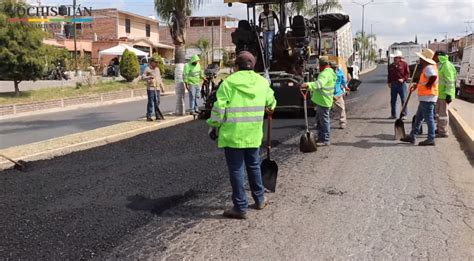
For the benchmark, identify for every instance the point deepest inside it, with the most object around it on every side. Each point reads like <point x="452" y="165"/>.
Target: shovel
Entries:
<point x="269" y="168"/>
<point x="307" y="140"/>
<point x="19" y="165"/>
<point x="399" y="125"/>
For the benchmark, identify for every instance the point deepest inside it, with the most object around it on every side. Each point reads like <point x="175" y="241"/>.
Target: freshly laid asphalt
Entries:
<point x="84" y="204"/>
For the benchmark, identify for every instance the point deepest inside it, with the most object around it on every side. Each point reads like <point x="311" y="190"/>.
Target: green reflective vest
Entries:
<point x="192" y="74"/>
<point x="447" y="78"/>
<point x="239" y="110"/>
<point x="323" y="88"/>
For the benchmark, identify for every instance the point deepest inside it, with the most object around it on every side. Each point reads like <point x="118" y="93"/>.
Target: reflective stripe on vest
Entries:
<point x="228" y="114"/>
<point x="425" y="91"/>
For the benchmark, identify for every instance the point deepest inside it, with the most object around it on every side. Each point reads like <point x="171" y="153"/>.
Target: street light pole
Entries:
<point x="363" y="14"/>
<point x="372" y="43"/>
<point x="75" y="43"/>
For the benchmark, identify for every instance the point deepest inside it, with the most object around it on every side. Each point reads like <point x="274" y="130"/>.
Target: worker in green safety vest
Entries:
<point x="192" y="76"/>
<point x="446" y="93"/>
<point x="237" y="122"/>
<point x="322" y="91"/>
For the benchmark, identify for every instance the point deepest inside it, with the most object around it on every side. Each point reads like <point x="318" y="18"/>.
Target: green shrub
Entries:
<point x="169" y="71"/>
<point x="160" y="63"/>
<point x="129" y="66"/>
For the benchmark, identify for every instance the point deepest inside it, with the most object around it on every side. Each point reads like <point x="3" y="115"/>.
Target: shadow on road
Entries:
<point x="366" y="144"/>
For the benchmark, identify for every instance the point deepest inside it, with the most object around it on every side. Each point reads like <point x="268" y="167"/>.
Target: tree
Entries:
<point x="366" y="45"/>
<point x="176" y="12"/>
<point x="203" y="45"/>
<point x="159" y="63"/>
<point x="20" y="49"/>
<point x="309" y="9"/>
<point x="129" y="66"/>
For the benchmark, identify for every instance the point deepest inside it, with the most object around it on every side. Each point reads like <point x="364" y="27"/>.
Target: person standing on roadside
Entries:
<point x="398" y="74"/>
<point x="322" y="95"/>
<point x="237" y="122"/>
<point x="192" y="76"/>
<point x="428" y="95"/>
<point x="447" y="92"/>
<point x="153" y="79"/>
<point x="340" y="89"/>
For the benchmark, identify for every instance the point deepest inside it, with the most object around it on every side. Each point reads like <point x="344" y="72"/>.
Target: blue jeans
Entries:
<point x="323" y="124"/>
<point x="194" y="95"/>
<point x="398" y="89"/>
<point x="268" y="41"/>
<point x="425" y="112"/>
<point x="153" y="103"/>
<point x="237" y="161"/>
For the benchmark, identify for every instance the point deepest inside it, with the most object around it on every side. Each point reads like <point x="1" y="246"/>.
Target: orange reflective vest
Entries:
<point x="425" y="91"/>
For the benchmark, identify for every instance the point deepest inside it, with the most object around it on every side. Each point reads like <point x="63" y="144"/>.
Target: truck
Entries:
<point x="409" y="50"/>
<point x="296" y="48"/>
<point x="465" y="80"/>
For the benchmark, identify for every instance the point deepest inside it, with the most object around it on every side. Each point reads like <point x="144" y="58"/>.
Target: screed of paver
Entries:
<point x="366" y="197"/>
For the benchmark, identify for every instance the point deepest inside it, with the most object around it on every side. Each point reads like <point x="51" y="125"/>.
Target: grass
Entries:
<point x="66" y="92"/>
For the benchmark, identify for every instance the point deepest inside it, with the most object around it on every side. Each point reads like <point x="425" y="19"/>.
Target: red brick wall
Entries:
<point x="193" y="34"/>
<point x="104" y="25"/>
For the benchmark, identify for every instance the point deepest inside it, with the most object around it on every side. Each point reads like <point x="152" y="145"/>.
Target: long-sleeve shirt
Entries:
<point x="341" y="82"/>
<point x="398" y="71"/>
<point x="156" y="81"/>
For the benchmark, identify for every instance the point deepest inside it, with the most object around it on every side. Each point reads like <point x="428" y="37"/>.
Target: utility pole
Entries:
<point x="75" y="43"/>
<point x="363" y="14"/>
<point x="319" y="29"/>
<point x="212" y="42"/>
<point x="372" y="44"/>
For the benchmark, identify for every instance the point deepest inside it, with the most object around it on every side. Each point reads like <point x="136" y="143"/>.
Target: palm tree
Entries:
<point x="203" y="45"/>
<point x="176" y="12"/>
<point x="366" y="45"/>
<point x="310" y="9"/>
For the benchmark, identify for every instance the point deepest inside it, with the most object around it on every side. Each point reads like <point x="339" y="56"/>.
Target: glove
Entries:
<point x="448" y="99"/>
<point x="212" y="133"/>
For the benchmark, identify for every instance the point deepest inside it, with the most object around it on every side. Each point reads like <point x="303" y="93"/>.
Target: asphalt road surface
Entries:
<point x="28" y="129"/>
<point x="86" y="204"/>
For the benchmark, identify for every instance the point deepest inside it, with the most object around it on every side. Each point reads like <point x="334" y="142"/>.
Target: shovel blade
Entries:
<point x="269" y="170"/>
<point x="399" y="129"/>
<point x="307" y="142"/>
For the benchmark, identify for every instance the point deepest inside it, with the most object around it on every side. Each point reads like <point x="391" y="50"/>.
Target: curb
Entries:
<point x="368" y="70"/>
<point x="462" y="131"/>
<point x="83" y="142"/>
<point x="80" y="106"/>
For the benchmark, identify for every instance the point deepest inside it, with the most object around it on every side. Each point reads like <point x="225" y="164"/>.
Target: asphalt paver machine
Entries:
<point x="294" y="58"/>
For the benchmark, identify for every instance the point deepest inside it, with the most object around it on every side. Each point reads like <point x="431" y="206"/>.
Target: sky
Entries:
<point x="391" y="20"/>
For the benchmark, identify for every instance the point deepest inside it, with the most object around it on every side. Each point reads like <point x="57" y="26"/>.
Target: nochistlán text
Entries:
<point x="41" y="11"/>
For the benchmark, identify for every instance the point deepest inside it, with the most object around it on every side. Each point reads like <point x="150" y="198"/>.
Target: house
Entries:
<point x="110" y="27"/>
<point x="215" y="29"/>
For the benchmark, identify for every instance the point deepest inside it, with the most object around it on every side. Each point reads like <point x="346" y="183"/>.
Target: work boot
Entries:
<point x="232" y="213"/>
<point x="439" y="135"/>
<point x="409" y="139"/>
<point x="322" y="144"/>
<point x="260" y="206"/>
<point x="149" y="119"/>
<point x="427" y="143"/>
<point x="392" y="117"/>
<point x="343" y="126"/>
<point x="404" y="118"/>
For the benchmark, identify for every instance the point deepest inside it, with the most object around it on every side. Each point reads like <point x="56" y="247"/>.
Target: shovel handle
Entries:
<point x="405" y="104"/>
<point x="269" y="134"/>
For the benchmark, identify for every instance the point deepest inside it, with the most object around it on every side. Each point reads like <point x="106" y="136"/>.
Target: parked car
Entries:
<point x="466" y="74"/>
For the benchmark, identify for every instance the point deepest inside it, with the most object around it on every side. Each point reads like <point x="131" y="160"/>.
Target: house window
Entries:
<point x="196" y="22"/>
<point x="127" y="26"/>
<point x="147" y="28"/>
<point x="213" y="22"/>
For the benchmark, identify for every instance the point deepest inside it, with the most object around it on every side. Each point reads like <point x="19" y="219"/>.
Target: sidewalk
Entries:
<point x="462" y="120"/>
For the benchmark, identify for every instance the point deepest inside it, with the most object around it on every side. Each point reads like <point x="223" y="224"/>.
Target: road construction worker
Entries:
<point x="340" y="89"/>
<point x="266" y="21"/>
<point x="428" y="95"/>
<point x="447" y="92"/>
<point x="153" y="79"/>
<point x="237" y="122"/>
<point x="398" y="74"/>
<point x="192" y="76"/>
<point x="322" y="95"/>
